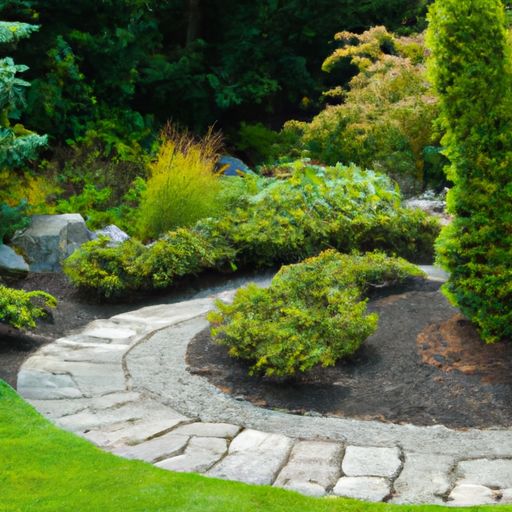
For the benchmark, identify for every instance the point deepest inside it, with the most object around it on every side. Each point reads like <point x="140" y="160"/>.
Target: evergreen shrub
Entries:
<point x="312" y="313"/>
<point x="131" y="266"/>
<point x="266" y="222"/>
<point x="20" y="308"/>
<point x="471" y="69"/>
<point x="384" y="122"/>
<point x="341" y="207"/>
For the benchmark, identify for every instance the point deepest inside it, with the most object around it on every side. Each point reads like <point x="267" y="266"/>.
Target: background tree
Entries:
<point x="471" y="69"/>
<point x="141" y="63"/>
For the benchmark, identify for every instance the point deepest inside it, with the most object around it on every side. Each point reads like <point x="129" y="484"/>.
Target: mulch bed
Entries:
<point x="425" y="365"/>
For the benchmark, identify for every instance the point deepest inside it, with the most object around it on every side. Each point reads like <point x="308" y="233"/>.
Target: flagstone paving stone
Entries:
<point x="124" y="384"/>
<point x="199" y="456"/>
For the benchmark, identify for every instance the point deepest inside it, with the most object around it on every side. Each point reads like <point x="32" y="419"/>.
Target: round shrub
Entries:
<point x="19" y="308"/>
<point x="312" y="313"/>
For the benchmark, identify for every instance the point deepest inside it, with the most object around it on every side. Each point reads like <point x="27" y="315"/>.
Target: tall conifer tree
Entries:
<point x="470" y="67"/>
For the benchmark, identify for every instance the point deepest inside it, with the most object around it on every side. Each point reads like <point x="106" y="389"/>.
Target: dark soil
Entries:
<point x="76" y="309"/>
<point x="425" y="365"/>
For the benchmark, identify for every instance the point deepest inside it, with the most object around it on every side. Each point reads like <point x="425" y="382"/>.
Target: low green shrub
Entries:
<point x="265" y="222"/>
<point x="19" y="308"/>
<point x="341" y="207"/>
<point x="118" y="271"/>
<point x="311" y="314"/>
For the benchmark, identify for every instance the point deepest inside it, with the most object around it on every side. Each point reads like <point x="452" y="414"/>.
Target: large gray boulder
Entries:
<point x="50" y="239"/>
<point x="12" y="265"/>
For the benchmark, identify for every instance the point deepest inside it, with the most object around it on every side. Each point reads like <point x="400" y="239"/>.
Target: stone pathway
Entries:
<point x="124" y="385"/>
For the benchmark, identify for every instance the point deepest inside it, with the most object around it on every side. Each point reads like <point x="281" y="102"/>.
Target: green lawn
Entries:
<point x="45" y="468"/>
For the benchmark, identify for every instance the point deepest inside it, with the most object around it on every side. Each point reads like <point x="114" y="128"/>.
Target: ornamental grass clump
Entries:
<point x="182" y="187"/>
<point x="312" y="314"/>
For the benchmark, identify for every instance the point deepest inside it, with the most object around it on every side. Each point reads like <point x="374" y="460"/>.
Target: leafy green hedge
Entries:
<point x="20" y="308"/>
<point x="471" y="68"/>
<point x="270" y="222"/>
<point x="311" y="314"/>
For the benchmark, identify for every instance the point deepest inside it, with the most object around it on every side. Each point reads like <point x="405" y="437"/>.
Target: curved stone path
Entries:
<point x="124" y="385"/>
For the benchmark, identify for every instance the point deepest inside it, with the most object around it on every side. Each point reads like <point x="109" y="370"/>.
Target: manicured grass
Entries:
<point x="44" y="468"/>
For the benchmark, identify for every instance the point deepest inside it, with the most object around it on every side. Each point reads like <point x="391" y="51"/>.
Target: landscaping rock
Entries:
<point x="209" y="430"/>
<point x="425" y="478"/>
<point x="116" y="235"/>
<point x="367" y="488"/>
<point x="432" y="205"/>
<point x="155" y="449"/>
<point x="50" y="239"/>
<point x="254" y="457"/>
<point x="12" y="265"/>
<point x="313" y="467"/>
<point x="491" y="473"/>
<point x="470" y="495"/>
<point x="235" y="166"/>
<point x="199" y="456"/>
<point x="371" y="461"/>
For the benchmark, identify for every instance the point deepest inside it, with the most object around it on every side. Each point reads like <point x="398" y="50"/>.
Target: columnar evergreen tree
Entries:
<point x="471" y="68"/>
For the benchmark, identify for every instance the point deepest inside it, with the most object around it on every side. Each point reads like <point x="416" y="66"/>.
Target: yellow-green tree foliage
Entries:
<point x="182" y="186"/>
<point x="385" y="120"/>
<point x="470" y="68"/>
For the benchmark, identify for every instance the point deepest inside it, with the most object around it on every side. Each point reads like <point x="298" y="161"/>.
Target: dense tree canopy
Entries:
<point x="196" y="61"/>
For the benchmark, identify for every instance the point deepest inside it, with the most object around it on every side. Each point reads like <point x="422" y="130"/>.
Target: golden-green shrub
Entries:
<point x="312" y="314"/>
<point x="385" y="120"/>
<point x="182" y="187"/>
<point x="19" y="308"/>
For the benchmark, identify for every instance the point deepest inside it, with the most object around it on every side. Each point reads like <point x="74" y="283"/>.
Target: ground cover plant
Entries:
<point x="20" y="309"/>
<point x="45" y="468"/>
<point x="272" y="221"/>
<point x="312" y="314"/>
<point x="471" y="68"/>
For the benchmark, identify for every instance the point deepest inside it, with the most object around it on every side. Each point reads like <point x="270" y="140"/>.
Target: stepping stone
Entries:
<point x="156" y="449"/>
<point x="312" y="468"/>
<point x="111" y="334"/>
<point x="424" y="479"/>
<point x="200" y="455"/>
<point x="41" y="385"/>
<point x="55" y="409"/>
<point x="467" y="495"/>
<point x="114" y="399"/>
<point x="68" y="379"/>
<point x="368" y="488"/>
<point x="491" y="473"/>
<point x="373" y="461"/>
<point x="254" y="457"/>
<point x="131" y="411"/>
<point x="132" y="432"/>
<point x="65" y="350"/>
<point x="155" y="317"/>
<point x="209" y="430"/>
